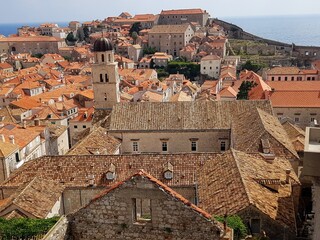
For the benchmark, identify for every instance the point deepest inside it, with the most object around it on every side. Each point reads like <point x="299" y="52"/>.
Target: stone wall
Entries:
<point x="275" y="230"/>
<point x="113" y="216"/>
<point x="58" y="231"/>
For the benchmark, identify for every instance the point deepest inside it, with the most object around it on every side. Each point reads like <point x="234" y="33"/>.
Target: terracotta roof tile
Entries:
<point x="37" y="198"/>
<point x="235" y="178"/>
<point x="180" y="115"/>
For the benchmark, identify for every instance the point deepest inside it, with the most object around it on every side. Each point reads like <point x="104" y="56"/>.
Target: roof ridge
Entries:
<point x="235" y="157"/>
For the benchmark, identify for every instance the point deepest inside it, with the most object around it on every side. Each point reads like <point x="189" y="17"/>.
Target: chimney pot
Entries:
<point x="2" y="138"/>
<point x="288" y="171"/>
<point x="11" y="138"/>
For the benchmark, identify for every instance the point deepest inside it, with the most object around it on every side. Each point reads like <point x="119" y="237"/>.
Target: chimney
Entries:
<point x="2" y="139"/>
<point x="37" y="122"/>
<point x="288" y="171"/>
<point x="11" y="138"/>
<point x="24" y="124"/>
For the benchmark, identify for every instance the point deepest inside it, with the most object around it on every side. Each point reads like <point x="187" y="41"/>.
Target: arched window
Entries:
<point x="101" y="78"/>
<point x="109" y="57"/>
<point x="106" y="76"/>
<point x="13" y="49"/>
<point x="102" y="57"/>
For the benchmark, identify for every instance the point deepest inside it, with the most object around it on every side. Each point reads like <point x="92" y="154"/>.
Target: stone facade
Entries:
<point x="170" y="38"/>
<point x="32" y="45"/>
<point x="302" y="117"/>
<point x="141" y="209"/>
<point x="150" y="142"/>
<point x="182" y="16"/>
<point x="105" y="80"/>
<point x="258" y="223"/>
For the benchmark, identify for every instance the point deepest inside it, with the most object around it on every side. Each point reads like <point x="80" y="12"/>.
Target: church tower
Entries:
<point x="105" y="75"/>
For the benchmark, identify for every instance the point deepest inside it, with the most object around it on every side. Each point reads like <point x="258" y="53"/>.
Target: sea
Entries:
<point x="300" y="30"/>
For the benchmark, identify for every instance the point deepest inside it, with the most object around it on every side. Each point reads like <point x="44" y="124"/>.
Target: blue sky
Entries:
<point x="20" y="11"/>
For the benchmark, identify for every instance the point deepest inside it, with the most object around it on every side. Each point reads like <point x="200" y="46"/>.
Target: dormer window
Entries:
<point x="168" y="171"/>
<point x="111" y="174"/>
<point x="168" y="175"/>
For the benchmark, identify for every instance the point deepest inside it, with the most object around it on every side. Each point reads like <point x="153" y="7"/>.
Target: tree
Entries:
<point x="149" y="50"/>
<point x="86" y="32"/>
<point x="134" y="36"/>
<point x="236" y="223"/>
<point x="71" y="38"/>
<point x="252" y="66"/>
<point x="244" y="90"/>
<point x="189" y="69"/>
<point x="136" y="27"/>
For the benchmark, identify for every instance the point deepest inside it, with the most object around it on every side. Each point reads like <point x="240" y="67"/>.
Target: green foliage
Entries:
<point x="22" y="228"/>
<point x="162" y="73"/>
<point x="134" y="36"/>
<point x="189" y="69"/>
<point x="71" y="37"/>
<point x="136" y="27"/>
<point x="244" y="90"/>
<point x="149" y="50"/>
<point x="253" y="66"/>
<point x="86" y="32"/>
<point x="37" y="55"/>
<point x="236" y="223"/>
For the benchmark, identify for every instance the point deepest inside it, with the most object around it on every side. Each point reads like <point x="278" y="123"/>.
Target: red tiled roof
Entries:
<point x="309" y="99"/>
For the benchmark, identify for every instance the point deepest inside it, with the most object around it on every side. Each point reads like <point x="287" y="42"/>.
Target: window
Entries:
<point x="286" y="78"/>
<point x="164" y="146"/>
<point x="296" y="119"/>
<point x="141" y="210"/>
<point x="101" y="78"/>
<point x="17" y="157"/>
<point x="193" y="146"/>
<point x="272" y="79"/>
<point x="292" y="78"/>
<point x="307" y="53"/>
<point x="255" y="226"/>
<point x="222" y="146"/>
<point x="312" y="119"/>
<point x="279" y="78"/>
<point x="102" y="57"/>
<point x="135" y="147"/>
<point x="84" y="126"/>
<point x="106" y="77"/>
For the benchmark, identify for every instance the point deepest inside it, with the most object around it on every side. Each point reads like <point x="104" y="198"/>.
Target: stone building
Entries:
<point x="262" y="191"/>
<point x="32" y="45"/>
<point x="105" y="75"/>
<point x="178" y="126"/>
<point x="170" y="38"/>
<point x="182" y="16"/>
<point x="145" y="209"/>
<point x="296" y="101"/>
<point x="252" y="179"/>
<point x="291" y="74"/>
<point x="210" y="65"/>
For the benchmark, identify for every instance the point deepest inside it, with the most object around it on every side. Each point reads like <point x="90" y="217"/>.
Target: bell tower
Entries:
<point x="105" y="75"/>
